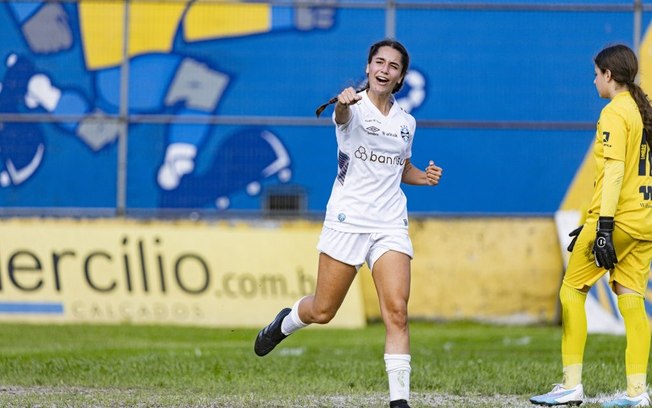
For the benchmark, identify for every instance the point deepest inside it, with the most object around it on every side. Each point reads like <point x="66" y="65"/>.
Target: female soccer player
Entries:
<point x="366" y="216"/>
<point x="617" y="233"/>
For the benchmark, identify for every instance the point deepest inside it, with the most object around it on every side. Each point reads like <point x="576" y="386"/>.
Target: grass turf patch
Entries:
<point x="453" y="364"/>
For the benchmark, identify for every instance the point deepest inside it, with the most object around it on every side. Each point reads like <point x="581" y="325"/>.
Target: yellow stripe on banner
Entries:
<point x="214" y="20"/>
<point x="152" y="27"/>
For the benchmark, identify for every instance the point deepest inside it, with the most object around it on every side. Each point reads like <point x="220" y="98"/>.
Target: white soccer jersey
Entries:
<point x="372" y="149"/>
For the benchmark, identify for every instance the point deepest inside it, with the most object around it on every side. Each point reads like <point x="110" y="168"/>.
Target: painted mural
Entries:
<point x="216" y="102"/>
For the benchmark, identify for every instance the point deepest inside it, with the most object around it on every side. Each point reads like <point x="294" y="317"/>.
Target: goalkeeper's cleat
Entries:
<point x="560" y="396"/>
<point x="399" y="404"/>
<point x="642" y="400"/>
<point x="271" y="335"/>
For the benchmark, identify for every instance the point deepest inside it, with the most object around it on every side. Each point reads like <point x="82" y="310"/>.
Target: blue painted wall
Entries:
<point x="473" y="65"/>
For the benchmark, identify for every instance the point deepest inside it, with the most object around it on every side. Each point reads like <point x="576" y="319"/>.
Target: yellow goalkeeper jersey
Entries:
<point x="620" y="136"/>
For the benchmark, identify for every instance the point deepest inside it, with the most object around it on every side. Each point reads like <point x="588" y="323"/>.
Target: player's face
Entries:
<point x="384" y="70"/>
<point x="600" y="82"/>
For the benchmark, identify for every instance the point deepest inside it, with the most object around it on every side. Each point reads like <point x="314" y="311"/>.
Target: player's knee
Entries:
<point x="323" y="315"/>
<point x="396" y="315"/>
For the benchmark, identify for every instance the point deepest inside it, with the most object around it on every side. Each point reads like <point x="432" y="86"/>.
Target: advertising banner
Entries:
<point x="188" y="273"/>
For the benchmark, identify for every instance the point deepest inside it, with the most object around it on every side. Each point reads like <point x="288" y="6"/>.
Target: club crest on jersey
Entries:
<point x="341" y="217"/>
<point x="405" y="133"/>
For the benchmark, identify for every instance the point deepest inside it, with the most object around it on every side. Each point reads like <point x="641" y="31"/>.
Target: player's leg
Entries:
<point x="341" y="254"/>
<point x="334" y="278"/>
<point x="629" y="282"/>
<point x="573" y="341"/>
<point x="391" y="274"/>
<point x="581" y="274"/>
<point x="389" y="260"/>
<point x="333" y="281"/>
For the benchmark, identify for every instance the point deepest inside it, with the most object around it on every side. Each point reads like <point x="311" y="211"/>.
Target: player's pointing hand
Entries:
<point x="348" y="97"/>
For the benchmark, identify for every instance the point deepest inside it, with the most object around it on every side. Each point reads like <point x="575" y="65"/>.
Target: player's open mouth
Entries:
<point x="382" y="80"/>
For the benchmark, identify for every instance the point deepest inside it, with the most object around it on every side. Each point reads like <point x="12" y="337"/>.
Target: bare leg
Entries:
<point x="334" y="279"/>
<point x="391" y="274"/>
<point x="392" y="278"/>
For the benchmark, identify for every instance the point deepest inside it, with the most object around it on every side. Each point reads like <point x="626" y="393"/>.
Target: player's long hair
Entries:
<point x="622" y="62"/>
<point x="373" y="50"/>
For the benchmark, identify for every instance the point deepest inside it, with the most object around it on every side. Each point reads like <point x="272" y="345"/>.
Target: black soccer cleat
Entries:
<point x="399" y="404"/>
<point x="271" y="335"/>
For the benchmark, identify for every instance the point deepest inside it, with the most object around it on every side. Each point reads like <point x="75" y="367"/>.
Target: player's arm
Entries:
<point x="614" y="170"/>
<point x="346" y="98"/>
<point x="603" y="247"/>
<point x="612" y="129"/>
<point x="417" y="177"/>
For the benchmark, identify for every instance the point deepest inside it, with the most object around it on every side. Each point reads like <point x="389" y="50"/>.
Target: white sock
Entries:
<point x="398" y="372"/>
<point x="292" y="322"/>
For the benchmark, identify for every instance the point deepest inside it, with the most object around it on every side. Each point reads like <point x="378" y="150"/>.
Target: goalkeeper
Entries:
<point x="617" y="234"/>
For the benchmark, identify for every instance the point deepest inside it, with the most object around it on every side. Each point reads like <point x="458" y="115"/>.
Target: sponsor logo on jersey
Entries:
<point x="341" y="217"/>
<point x="374" y="157"/>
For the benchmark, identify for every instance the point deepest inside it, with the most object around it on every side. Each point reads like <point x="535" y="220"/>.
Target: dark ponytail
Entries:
<point x="644" y="108"/>
<point x="622" y="62"/>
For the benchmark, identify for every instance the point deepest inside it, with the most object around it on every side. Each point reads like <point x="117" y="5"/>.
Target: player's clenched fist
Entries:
<point x="348" y="97"/>
<point x="433" y="173"/>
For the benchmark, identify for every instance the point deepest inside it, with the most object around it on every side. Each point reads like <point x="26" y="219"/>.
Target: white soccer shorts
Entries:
<point x="356" y="248"/>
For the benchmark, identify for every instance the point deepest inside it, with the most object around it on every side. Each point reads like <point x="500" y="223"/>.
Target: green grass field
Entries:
<point x="454" y="364"/>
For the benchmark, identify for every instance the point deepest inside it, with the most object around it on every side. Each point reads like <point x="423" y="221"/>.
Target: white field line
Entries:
<point x="95" y="397"/>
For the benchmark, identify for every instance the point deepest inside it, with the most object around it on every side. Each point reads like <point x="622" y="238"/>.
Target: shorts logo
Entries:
<point x="341" y="217"/>
<point x="405" y="222"/>
<point x="405" y="133"/>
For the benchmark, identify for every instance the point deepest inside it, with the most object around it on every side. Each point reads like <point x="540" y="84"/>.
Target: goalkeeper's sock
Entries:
<point x="292" y="322"/>
<point x="637" y="329"/>
<point x="574" y="334"/>
<point x="398" y="373"/>
<point x="572" y="376"/>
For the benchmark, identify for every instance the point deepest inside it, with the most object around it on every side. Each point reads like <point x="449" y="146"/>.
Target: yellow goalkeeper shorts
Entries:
<point x="632" y="270"/>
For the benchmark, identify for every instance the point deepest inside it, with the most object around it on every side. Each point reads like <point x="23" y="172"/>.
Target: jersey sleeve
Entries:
<point x="344" y="129"/>
<point x="612" y="128"/>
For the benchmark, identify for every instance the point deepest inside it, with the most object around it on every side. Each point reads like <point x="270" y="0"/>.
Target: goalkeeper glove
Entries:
<point x="603" y="247"/>
<point x="575" y="233"/>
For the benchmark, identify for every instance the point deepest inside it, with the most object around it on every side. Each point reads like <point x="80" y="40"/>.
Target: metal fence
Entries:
<point x="51" y="39"/>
